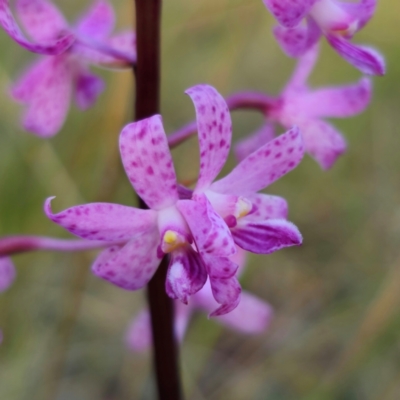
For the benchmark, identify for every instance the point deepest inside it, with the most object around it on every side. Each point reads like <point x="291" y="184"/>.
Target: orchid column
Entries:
<point x="148" y="24"/>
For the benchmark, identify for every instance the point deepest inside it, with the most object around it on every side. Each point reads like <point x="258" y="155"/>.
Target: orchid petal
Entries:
<point x="266" y="206"/>
<point x="88" y="89"/>
<point x="138" y="335"/>
<point x="253" y="142"/>
<point x="296" y="41"/>
<point x="209" y="230"/>
<point x="186" y="274"/>
<point x="251" y="316"/>
<point x="304" y="67"/>
<point x="363" y="11"/>
<point x="103" y="221"/>
<point x="289" y="13"/>
<point x="132" y="266"/>
<point x="339" y="102"/>
<point x="54" y="47"/>
<point x="367" y="60"/>
<point x="98" y="22"/>
<point x="214" y="127"/>
<point x="227" y="293"/>
<point x="50" y="99"/>
<point x="264" y="166"/>
<point x="148" y="162"/>
<point x="220" y="267"/>
<point x="117" y="52"/>
<point x="267" y="236"/>
<point x="41" y="19"/>
<point x="7" y="273"/>
<point x="323" y="142"/>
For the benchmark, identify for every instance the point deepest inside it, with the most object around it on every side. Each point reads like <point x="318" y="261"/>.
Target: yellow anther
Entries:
<point x="243" y="207"/>
<point x="170" y="237"/>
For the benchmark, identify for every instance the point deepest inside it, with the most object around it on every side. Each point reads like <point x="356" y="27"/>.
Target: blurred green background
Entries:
<point x="336" y="332"/>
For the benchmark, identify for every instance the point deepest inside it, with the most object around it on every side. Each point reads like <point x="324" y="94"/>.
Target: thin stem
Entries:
<point x="239" y="101"/>
<point x="165" y="355"/>
<point x="10" y="245"/>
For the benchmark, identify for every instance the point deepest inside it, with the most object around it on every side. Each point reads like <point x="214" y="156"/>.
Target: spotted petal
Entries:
<point x="289" y="13"/>
<point x="103" y="221"/>
<point x="7" y="273"/>
<point x="227" y="293"/>
<point x="367" y="60"/>
<point x="214" y="132"/>
<point x="132" y="266"/>
<point x="54" y="47"/>
<point x="50" y="99"/>
<point x="148" y="162"/>
<point x="296" y="41"/>
<point x="323" y="142"/>
<point x="209" y="230"/>
<point x="41" y="19"/>
<point x="339" y="102"/>
<point x="186" y="274"/>
<point x="363" y="10"/>
<point x="88" y="89"/>
<point x="265" y="237"/>
<point x="264" y="166"/>
<point x="98" y="22"/>
<point x="266" y="206"/>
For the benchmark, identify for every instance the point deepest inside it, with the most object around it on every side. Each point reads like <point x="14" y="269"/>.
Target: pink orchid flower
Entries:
<point x="338" y="21"/>
<point x="7" y="277"/>
<point x="256" y="221"/>
<point x="298" y="105"/>
<point x="46" y="86"/>
<point x="252" y="316"/>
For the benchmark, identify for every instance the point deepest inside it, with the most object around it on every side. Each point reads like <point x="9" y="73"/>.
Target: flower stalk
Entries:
<point x="147" y="73"/>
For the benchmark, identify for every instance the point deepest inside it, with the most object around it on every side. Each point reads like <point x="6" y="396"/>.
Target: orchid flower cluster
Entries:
<point x="204" y="230"/>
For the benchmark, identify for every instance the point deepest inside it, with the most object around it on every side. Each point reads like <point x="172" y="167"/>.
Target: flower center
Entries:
<point x="242" y="208"/>
<point x="172" y="240"/>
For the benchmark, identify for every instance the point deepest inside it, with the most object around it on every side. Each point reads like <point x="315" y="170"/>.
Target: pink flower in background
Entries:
<point x="298" y="105"/>
<point x="46" y="87"/>
<point x="251" y="316"/>
<point x="7" y="277"/>
<point x="338" y="21"/>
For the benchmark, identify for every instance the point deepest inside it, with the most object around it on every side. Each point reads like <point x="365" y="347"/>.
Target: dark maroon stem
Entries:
<point x="239" y="101"/>
<point x="165" y="354"/>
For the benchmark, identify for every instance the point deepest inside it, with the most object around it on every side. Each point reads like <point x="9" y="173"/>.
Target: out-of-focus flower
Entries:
<point x="251" y="316"/>
<point x="256" y="221"/>
<point x="46" y="87"/>
<point x="298" y="105"/>
<point x="7" y="273"/>
<point x="338" y="21"/>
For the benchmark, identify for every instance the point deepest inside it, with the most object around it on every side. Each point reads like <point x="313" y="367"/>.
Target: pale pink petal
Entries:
<point x="186" y="274"/>
<point x="363" y="10"/>
<point x="103" y="221"/>
<point x="366" y="59"/>
<point x="240" y="259"/>
<point x="7" y="273"/>
<point x="98" y="22"/>
<point x="54" y="47"/>
<point x="25" y="87"/>
<point x="340" y="102"/>
<point x="251" y="316"/>
<point x="132" y="266"/>
<point x="88" y="89"/>
<point x="214" y="128"/>
<point x="265" y="237"/>
<point x="41" y="19"/>
<point x="183" y="312"/>
<point x="50" y="100"/>
<point x="323" y="142"/>
<point x="296" y="41"/>
<point x="148" y="162"/>
<point x="138" y="336"/>
<point x="220" y="267"/>
<point x="264" y="166"/>
<point x="254" y="141"/>
<point x="304" y="67"/>
<point x="266" y="206"/>
<point x="227" y="293"/>
<point x="289" y="13"/>
<point x="209" y="230"/>
<point x="117" y="52"/>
